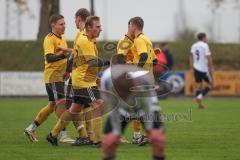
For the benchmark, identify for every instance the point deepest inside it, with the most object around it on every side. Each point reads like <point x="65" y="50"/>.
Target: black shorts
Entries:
<point x="147" y="111"/>
<point x="202" y="76"/>
<point x="55" y="91"/>
<point x="85" y="96"/>
<point x="118" y="125"/>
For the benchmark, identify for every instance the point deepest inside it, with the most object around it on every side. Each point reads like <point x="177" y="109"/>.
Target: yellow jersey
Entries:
<point x="143" y="45"/>
<point x="54" y="71"/>
<point x="80" y="32"/>
<point x="125" y="47"/>
<point x="85" y="76"/>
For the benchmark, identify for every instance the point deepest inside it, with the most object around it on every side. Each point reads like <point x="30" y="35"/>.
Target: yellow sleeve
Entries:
<point x="140" y="46"/>
<point x="87" y="49"/>
<point x="48" y="46"/>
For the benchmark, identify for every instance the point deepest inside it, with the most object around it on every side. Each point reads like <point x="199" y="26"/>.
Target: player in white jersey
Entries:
<point x="201" y="65"/>
<point x="137" y="100"/>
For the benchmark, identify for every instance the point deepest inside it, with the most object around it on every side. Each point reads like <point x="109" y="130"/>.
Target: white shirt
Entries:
<point x="145" y="104"/>
<point x="200" y="51"/>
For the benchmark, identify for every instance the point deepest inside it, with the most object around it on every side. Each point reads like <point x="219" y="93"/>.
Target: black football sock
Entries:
<point x="158" y="158"/>
<point x="206" y="90"/>
<point x="110" y="158"/>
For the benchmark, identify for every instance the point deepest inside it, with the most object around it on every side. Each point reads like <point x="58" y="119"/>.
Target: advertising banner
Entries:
<point x="226" y="83"/>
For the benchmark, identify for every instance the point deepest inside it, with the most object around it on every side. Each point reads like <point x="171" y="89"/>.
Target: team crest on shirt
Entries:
<point x="125" y="44"/>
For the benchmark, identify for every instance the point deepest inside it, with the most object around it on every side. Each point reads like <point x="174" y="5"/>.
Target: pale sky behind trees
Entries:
<point x="163" y="19"/>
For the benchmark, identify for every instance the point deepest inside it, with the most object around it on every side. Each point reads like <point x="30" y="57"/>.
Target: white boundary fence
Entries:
<point x="22" y="84"/>
<point x="31" y="84"/>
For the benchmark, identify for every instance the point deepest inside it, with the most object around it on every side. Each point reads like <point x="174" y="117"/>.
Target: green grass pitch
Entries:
<point x="192" y="134"/>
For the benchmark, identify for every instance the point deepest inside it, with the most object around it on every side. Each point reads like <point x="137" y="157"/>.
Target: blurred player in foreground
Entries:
<point x="125" y="48"/>
<point x="137" y="98"/>
<point x="143" y="56"/>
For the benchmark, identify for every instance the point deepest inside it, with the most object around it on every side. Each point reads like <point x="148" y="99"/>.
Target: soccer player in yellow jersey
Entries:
<point x="84" y="80"/>
<point x="142" y="49"/>
<point x="125" y="48"/>
<point x="55" y="65"/>
<point x="80" y="19"/>
<point x="143" y="56"/>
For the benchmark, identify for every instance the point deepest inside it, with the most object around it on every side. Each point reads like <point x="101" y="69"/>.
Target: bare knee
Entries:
<point x="75" y="108"/>
<point x="157" y="138"/>
<point x="198" y="86"/>
<point x="110" y="141"/>
<point x="61" y="101"/>
<point x="109" y="144"/>
<point x="52" y="105"/>
<point x="98" y="107"/>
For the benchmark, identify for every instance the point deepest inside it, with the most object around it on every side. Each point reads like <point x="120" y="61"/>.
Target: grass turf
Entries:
<point x="211" y="134"/>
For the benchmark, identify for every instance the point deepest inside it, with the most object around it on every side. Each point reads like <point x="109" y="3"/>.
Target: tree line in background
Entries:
<point x="48" y="8"/>
<point x="186" y="33"/>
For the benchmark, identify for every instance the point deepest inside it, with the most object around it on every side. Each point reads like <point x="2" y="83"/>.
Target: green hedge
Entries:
<point x="28" y="55"/>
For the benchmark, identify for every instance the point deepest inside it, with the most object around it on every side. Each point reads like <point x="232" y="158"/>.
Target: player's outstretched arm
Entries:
<point x="69" y="63"/>
<point x="118" y="59"/>
<point x="66" y="50"/>
<point x="143" y="59"/>
<point x="54" y="58"/>
<point x="210" y="65"/>
<point x="190" y="62"/>
<point x="97" y="62"/>
<point x="66" y="75"/>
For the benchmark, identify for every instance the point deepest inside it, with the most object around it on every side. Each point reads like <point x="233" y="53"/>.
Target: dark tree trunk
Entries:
<point x="48" y="8"/>
<point x="54" y="7"/>
<point x="92" y="7"/>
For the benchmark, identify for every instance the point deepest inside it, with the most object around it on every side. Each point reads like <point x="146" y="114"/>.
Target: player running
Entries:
<point x="201" y="65"/>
